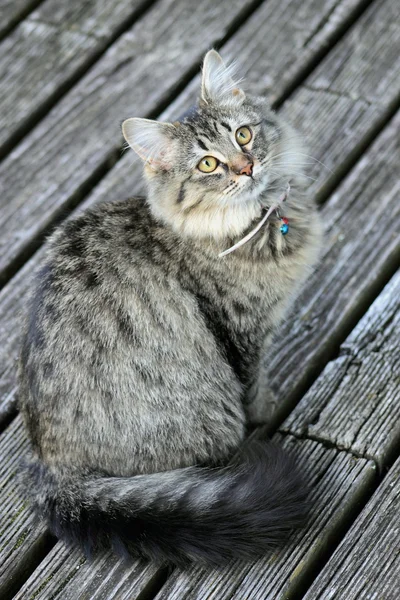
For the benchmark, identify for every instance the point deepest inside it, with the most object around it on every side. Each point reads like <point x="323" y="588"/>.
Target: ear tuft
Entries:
<point x="151" y="140"/>
<point x="219" y="82"/>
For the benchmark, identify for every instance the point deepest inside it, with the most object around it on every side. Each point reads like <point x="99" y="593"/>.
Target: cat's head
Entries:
<point x="211" y="173"/>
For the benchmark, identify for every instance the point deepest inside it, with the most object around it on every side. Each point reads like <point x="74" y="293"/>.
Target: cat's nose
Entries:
<point x="243" y="166"/>
<point x="247" y="169"/>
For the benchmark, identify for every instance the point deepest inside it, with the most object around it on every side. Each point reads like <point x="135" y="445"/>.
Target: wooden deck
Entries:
<point x="70" y="72"/>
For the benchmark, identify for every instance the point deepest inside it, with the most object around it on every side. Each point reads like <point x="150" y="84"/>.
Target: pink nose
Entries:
<point x="247" y="169"/>
<point x="241" y="165"/>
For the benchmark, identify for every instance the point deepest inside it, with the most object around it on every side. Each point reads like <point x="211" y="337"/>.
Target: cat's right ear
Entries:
<point x="219" y="84"/>
<point x="151" y="140"/>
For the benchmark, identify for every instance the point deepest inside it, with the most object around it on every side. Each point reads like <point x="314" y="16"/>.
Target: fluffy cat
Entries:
<point x="140" y="362"/>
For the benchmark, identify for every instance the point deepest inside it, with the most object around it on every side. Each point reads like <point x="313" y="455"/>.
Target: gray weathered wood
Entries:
<point x="66" y="575"/>
<point x="13" y="11"/>
<point x="355" y="403"/>
<point x="72" y="146"/>
<point x="351" y="270"/>
<point x="353" y="85"/>
<point x="125" y="178"/>
<point x="79" y="137"/>
<point x="22" y="542"/>
<point x="337" y="482"/>
<point x="361" y="249"/>
<point x="48" y="51"/>
<point x="251" y="580"/>
<point x="366" y="565"/>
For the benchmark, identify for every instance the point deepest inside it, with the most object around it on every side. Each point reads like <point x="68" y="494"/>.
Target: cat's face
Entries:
<point x="210" y="174"/>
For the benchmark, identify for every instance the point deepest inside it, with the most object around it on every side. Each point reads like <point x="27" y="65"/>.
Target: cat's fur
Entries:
<point x="140" y="361"/>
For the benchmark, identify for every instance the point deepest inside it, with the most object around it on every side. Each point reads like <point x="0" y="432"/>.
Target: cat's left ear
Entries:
<point x="153" y="141"/>
<point x="219" y="84"/>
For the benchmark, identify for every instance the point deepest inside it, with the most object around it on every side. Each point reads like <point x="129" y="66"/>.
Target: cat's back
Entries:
<point x="108" y="277"/>
<point x="111" y="337"/>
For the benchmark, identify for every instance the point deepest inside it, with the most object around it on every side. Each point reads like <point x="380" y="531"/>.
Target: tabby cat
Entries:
<point x="140" y="364"/>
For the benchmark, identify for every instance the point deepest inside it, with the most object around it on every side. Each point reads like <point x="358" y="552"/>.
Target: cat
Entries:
<point x="140" y="362"/>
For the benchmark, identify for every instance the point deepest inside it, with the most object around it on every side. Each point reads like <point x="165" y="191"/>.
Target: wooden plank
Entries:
<point x="371" y="424"/>
<point x="361" y="251"/>
<point x="337" y="482"/>
<point x="48" y="51"/>
<point x="22" y="542"/>
<point x="12" y="12"/>
<point x="70" y="149"/>
<point x="355" y="403"/>
<point x="125" y="179"/>
<point x="66" y="575"/>
<point x="367" y="563"/>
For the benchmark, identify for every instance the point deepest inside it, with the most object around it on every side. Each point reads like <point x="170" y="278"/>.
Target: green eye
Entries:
<point x="243" y="136"/>
<point x="208" y="164"/>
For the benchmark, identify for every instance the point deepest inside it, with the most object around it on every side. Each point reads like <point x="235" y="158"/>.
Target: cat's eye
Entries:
<point x="208" y="164"/>
<point x="243" y="136"/>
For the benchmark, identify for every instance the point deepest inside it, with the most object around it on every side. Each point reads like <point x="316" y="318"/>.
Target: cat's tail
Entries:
<point x="191" y="514"/>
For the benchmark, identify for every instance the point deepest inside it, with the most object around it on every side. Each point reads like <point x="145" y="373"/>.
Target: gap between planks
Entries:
<point x="114" y="155"/>
<point x="37" y="115"/>
<point x="10" y="23"/>
<point x="379" y="283"/>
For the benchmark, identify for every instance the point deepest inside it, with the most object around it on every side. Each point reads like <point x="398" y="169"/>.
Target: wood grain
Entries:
<point x="337" y="481"/>
<point x="72" y="147"/>
<point x="368" y="201"/>
<point x="66" y="575"/>
<point x="124" y="179"/>
<point x="355" y="402"/>
<point x="22" y="542"/>
<point x="13" y="11"/>
<point x="42" y="57"/>
<point x="361" y="251"/>
<point x="367" y="563"/>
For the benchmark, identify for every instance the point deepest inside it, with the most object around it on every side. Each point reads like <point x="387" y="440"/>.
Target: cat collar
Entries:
<point x="284" y="228"/>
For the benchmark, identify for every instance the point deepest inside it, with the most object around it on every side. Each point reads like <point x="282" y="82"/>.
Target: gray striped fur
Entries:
<point x="142" y="349"/>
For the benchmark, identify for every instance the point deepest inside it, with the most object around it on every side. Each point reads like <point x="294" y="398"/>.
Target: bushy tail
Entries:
<point x="191" y="514"/>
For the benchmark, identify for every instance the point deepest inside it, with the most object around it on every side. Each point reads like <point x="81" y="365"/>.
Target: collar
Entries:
<point x="274" y="208"/>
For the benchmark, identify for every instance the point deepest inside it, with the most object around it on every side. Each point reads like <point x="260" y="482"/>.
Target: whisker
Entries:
<point x="288" y="164"/>
<point x="293" y="172"/>
<point x="302" y="154"/>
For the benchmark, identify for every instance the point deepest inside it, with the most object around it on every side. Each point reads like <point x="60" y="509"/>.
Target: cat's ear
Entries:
<point x="153" y="141"/>
<point x="219" y="84"/>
